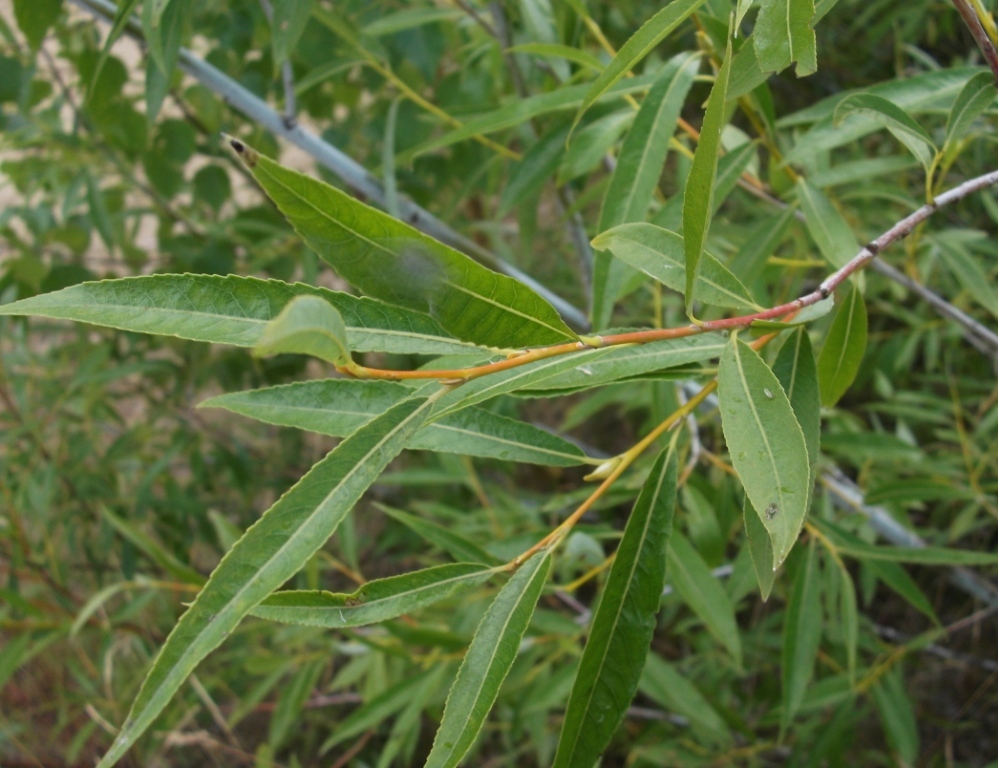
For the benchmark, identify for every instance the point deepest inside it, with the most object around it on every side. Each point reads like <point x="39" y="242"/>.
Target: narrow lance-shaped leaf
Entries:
<point x="698" y="200"/>
<point x="801" y="634"/>
<point x="451" y="542"/>
<point x="765" y="442"/>
<point x="487" y="662"/>
<point x="122" y="15"/>
<point x="844" y="346"/>
<point x="394" y="262"/>
<point x="624" y="622"/>
<point x="233" y="310"/>
<point x="901" y="125"/>
<point x="834" y="237"/>
<point x="798" y="375"/>
<point x="639" y="166"/>
<point x="290" y="17"/>
<point x="977" y="95"/>
<point x="760" y="549"/>
<point x="961" y="262"/>
<point x="783" y="34"/>
<point x="659" y="253"/>
<point x="268" y="554"/>
<point x="691" y="576"/>
<point x="640" y="44"/>
<point x="375" y="601"/>
<point x="337" y="407"/>
<point x="307" y="326"/>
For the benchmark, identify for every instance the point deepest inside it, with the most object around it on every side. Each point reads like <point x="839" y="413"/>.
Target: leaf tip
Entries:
<point x="248" y="155"/>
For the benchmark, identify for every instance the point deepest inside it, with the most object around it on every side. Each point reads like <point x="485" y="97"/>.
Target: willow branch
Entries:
<point x="866" y="255"/>
<point x="977" y="31"/>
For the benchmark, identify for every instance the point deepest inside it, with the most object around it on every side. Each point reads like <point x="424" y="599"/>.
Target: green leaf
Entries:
<point x="640" y="44"/>
<point x="409" y="19"/>
<point x="450" y="542"/>
<point x="35" y="17"/>
<point x="967" y="270"/>
<point x="760" y="549"/>
<point x="898" y="580"/>
<point x="808" y="314"/>
<point x="122" y="15"/>
<point x="801" y="635"/>
<point x="765" y="442"/>
<point x="286" y="27"/>
<point x="487" y="662"/>
<point x="557" y="50"/>
<point x="624" y="623"/>
<point x="636" y="176"/>
<point x="291" y="700"/>
<point x="851" y="546"/>
<point x="339" y="406"/>
<point x="152" y="549"/>
<point x="392" y="261"/>
<point x="375" y="601"/>
<point x="232" y="310"/>
<point x="308" y="325"/>
<point x="977" y="95"/>
<point x="592" y="143"/>
<point x="848" y="619"/>
<point x="660" y="254"/>
<point x="268" y="554"/>
<point x="783" y="34"/>
<point x="901" y="125"/>
<point x="844" y="346"/>
<point x="694" y="582"/>
<point x="538" y="164"/>
<point x="163" y="25"/>
<point x="667" y="687"/>
<point x="698" y="199"/>
<point x="897" y="716"/>
<point x="834" y="237"/>
<point x="798" y="375"/>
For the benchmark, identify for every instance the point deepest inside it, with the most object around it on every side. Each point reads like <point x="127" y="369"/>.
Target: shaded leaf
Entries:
<point x="337" y="407"/>
<point x="286" y="27"/>
<point x="766" y="444"/>
<point x="399" y="264"/>
<point x="975" y="97"/>
<point x="897" y="716"/>
<point x="961" y="262"/>
<point x="232" y="310"/>
<point x="307" y="326"/>
<point x="640" y="44"/>
<point x="834" y="237"/>
<point x="901" y="125"/>
<point x="35" y="17"/>
<point x="783" y="34"/>
<point x="152" y="549"/>
<point x="660" y="254"/>
<point x="698" y="199"/>
<point x="691" y="576"/>
<point x="375" y="601"/>
<point x="624" y="622"/>
<point x="760" y="549"/>
<point x="798" y="375"/>
<point x="487" y="662"/>
<point x="851" y="546"/>
<point x="163" y="25"/>
<point x="844" y="346"/>
<point x="268" y="554"/>
<point x="454" y="544"/>
<point x="538" y="164"/>
<point x="669" y="688"/>
<point x="801" y="635"/>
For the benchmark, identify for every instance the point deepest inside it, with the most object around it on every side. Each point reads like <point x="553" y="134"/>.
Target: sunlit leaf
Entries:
<point x="783" y="34"/>
<point x="901" y="125"/>
<point x="307" y="326"/>
<point x="487" y="662"/>
<point x="267" y="555"/>
<point x="766" y="444"/>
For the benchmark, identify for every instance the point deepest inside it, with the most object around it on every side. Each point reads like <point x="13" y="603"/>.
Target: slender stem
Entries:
<point x="900" y="230"/>
<point x="969" y="16"/>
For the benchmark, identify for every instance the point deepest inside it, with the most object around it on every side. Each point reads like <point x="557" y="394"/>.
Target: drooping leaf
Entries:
<point x="375" y="601"/>
<point x="843" y="350"/>
<point x="834" y="237"/>
<point x="760" y="549"/>
<point x="977" y="95"/>
<point x="765" y="442"/>
<point x="660" y="254"/>
<point x="690" y="575"/>
<point x="698" y="199"/>
<point x="267" y="555"/>
<point x="232" y="310"/>
<point x="650" y="34"/>
<point x="639" y="166"/>
<point x="798" y="375"/>
<point x="897" y="716"/>
<point x="308" y="325"/>
<point x="286" y="27"/>
<point x="783" y="34"/>
<point x="801" y="634"/>
<point x="339" y="406"/>
<point x="848" y="619"/>
<point x="487" y="662"/>
<point x="399" y="264"/>
<point x="901" y="125"/>
<point x="624" y="622"/>
<point x="451" y="542"/>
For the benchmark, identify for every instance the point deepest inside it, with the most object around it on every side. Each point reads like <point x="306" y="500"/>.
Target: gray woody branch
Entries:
<point x="355" y="176"/>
